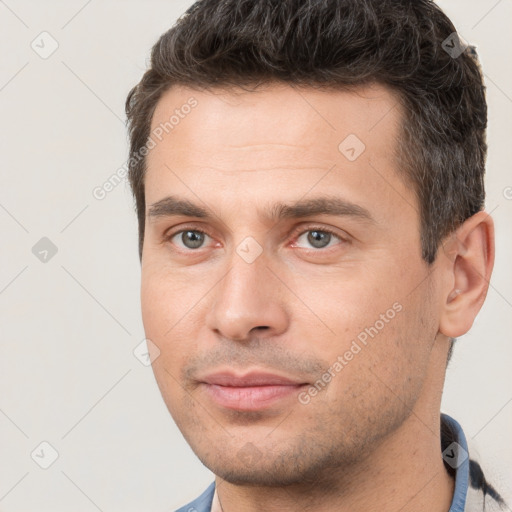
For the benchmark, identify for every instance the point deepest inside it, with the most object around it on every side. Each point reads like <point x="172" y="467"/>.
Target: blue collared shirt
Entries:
<point x="477" y="496"/>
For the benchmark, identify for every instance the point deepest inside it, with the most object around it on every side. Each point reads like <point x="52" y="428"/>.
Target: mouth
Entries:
<point x="250" y="392"/>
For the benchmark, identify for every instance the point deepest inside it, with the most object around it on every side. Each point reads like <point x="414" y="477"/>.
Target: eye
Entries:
<point x="318" y="238"/>
<point x="189" y="239"/>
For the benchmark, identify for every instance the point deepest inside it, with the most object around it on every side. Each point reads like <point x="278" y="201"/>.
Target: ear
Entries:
<point x="467" y="262"/>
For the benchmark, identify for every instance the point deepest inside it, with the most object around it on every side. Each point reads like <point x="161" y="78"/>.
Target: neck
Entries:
<point x="405" y="472"/>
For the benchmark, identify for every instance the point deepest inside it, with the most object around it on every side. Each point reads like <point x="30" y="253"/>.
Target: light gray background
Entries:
<point x="69" y="326"/>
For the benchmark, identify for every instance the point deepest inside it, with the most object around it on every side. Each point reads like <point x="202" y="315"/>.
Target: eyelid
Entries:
<point x="169" y="234"/>
<point x="324" y="229"/>
<point x="298" y="231"/>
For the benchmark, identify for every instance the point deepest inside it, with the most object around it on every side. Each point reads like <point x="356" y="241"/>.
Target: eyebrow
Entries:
<point x="327" y="205"/>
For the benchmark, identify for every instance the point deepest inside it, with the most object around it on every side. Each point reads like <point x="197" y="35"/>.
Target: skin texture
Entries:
<point x="369" y="440"/>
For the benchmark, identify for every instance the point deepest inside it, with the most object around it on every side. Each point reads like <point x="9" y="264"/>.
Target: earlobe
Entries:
<point x="468" y="262"/>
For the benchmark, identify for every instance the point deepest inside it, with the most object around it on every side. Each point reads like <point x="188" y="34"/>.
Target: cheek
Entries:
<point x="346" y="302"/>
<point x="364" y="319"/>
<point x="167" y="298"/>
<point x="161" y="314"/>
<point x="164" y="309"/>
<point x="379" y="367"/>
<point x="154" y="306"/>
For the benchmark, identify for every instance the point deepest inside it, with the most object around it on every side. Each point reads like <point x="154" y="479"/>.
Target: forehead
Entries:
<point x="278" y="142"/>
<point x="278" y="118"/>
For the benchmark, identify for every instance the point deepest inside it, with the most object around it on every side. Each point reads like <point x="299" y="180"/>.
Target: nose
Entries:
<point x="248" y="301"/>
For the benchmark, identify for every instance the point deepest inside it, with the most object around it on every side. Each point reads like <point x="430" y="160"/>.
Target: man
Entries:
<point x="308" y="178"/>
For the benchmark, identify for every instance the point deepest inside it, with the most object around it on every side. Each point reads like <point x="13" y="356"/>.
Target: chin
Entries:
<point x="275" y="466"/>
<point x="259" y="476"/>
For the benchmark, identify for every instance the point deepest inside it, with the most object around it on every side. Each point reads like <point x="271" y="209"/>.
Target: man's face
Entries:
<point x="290" y="339"/>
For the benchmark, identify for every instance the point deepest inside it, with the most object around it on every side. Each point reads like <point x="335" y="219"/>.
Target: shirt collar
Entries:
<point x="455" y="456"/>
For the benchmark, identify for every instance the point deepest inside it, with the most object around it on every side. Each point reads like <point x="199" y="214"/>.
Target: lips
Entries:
<point x="249" y="392"/>
<point x="249" y="380"/>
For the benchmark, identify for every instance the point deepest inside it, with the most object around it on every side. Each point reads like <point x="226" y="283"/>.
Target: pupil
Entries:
<point x="192" y="239"/>
<point x="319" y="239"/>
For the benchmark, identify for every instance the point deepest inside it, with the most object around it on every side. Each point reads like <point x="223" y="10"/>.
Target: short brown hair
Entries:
<point x="408" y="45"/>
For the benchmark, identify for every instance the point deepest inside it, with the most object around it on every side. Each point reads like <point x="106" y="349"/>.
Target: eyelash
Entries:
<point x="301" y="231"/>
<point x="295" y="235"/>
